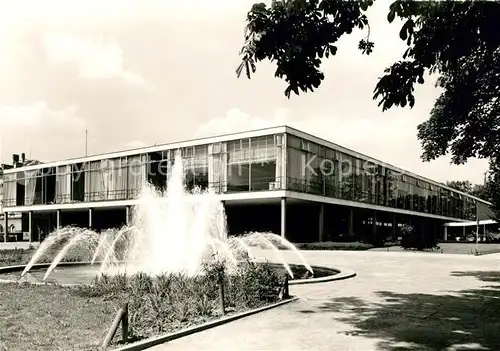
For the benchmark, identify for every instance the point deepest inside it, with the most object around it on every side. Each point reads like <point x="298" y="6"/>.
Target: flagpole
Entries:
<point x="86" y="141"/>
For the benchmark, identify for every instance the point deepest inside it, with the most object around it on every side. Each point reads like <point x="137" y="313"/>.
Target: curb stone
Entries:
<point x="150" y="342"/>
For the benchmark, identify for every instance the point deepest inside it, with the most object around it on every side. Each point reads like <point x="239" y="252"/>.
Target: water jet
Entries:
<point x="171" y="232"/>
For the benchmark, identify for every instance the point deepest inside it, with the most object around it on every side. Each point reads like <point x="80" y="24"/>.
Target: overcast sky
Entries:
<point x="136" y="73"/>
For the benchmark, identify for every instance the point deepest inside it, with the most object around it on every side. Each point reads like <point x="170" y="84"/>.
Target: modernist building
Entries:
<point x="14" y="231"/>
<point x="277" y="179"/>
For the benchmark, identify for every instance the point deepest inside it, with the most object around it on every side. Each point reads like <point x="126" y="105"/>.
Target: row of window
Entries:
<point x="122" y="178"/>
<point x="250" y="164"/>
<point x="319" y="170"/>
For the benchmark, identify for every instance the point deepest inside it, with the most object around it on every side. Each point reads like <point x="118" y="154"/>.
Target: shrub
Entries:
<point x="15" y="256"/>
<point x="167" y="302"/>
<point x="252" y="284"/>
<point x="329" y="245"/>
<point x="413" y="239"/>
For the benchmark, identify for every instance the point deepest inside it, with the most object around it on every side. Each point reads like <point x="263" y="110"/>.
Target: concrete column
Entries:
<point x="58" y="219"/>
<point x="321" y="224"/>
<point x="30" y="226"/>
<point x="283" y="217"/>
<point x="5" y="226"/>
<point x="90" y="218"/>
<point x="127" y="215"/>
<point x="463" y="230"/>
<point x="394" y="223"/>
<point x="445" y="233"/>
<point x="351" y="222"/>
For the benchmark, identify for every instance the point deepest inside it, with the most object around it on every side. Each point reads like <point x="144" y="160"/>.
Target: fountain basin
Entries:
<point x="79" y="273"/>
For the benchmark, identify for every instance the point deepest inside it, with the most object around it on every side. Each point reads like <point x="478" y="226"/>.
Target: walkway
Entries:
<point x="398" y="301"/>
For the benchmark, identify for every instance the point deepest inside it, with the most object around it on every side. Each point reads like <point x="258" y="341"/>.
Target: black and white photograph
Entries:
<point x="232" y="175"/>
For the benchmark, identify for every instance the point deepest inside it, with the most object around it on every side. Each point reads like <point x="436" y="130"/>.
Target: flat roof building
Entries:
<point x="275" y="179"/>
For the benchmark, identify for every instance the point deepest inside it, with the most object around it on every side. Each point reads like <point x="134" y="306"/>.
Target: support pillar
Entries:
<point x="127" y="215"/>
<point x="394" y="223"/>
<point x="90" y="218"/>
<point x="445" y="233"/>
<point x="321" y="225"/>
<point x="283" y="217"/>
<point x="58" y="219"/>
<point x="30" y="226"/>
<point x="5" y="226"/>
<point x="374" y="224"/>
<point x="351" y="222"/>
<point x="463" y="231"/>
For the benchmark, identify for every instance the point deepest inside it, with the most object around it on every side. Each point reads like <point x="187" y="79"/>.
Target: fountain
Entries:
<point x="171" y="232"/>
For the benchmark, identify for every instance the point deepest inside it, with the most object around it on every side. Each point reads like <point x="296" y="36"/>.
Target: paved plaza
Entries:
<point x="398" y="301"/>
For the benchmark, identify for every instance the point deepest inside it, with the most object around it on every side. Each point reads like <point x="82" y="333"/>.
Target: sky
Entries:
<point x="141" y="72"/>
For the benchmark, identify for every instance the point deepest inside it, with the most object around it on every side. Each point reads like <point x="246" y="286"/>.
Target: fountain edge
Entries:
<point x="341" y="275"/>
<point x="157" y="340"/>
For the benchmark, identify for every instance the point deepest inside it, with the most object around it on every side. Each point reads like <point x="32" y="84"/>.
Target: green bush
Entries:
<point x="12" y="257"/>
<point x="413" y="239"/>
<point x="329" y="245"/>
<point x="167" y="302"/>
<point x="15" y="256"/>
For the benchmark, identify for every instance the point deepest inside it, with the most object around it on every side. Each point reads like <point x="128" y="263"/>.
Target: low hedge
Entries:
<point x="11" y="257"/>
<point x="330" y="245"/>
<point x="169" y="302"/>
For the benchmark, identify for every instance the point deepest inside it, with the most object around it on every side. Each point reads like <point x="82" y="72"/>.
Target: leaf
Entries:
<point x="240" y="69"/>
<point x="391" y="15"/>
<point x="411" y="101"/>
<point x="247" y="68"/>
<point x="403" y="101"/>
<point x="363" y="5"/>
<point x="403" y="34"/>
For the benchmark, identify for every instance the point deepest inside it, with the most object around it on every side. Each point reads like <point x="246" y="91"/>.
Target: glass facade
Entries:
<point x="249" y="164"/>
<point x="263" y="163"/>
<point x="315" y="169"/>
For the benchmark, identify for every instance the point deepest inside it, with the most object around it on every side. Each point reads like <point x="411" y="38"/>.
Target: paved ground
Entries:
<point x="398" y="301"/>
<point x="453" y="248"/>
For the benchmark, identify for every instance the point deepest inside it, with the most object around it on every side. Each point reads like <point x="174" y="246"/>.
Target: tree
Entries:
<point x="481" y="191"/>
<point x="457" y="41"/>
<point x="493" y="187"/>
<point x="461" y="185"/>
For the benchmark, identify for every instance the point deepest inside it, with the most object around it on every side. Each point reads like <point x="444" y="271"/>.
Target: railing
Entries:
<point x="253" y="185"/>
<point x="348" y="191"/>
<point x="354" y="192"/>
<point x="8" y="202"/>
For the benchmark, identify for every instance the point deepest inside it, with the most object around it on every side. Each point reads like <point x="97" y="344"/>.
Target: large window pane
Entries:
<point x="238" y="177"/>
<point x="30" y="181"/>
<point x="63" y="184"/>
<point x="78" y="182"/>
<point x="117" y="179"/>
<point x="95" y="188"/>
<point x="136" y="175"/>
<point x="10" y="190"/>
<point x="263" y="176"/>
<point x="201" y="167"/>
